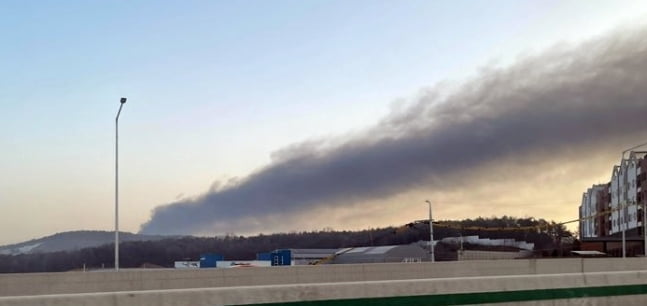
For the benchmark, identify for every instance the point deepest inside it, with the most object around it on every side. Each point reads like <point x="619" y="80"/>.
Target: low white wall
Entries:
<point x="487" y="255"/>
<point x="134" y="280"/>
<point x="350" y="290"/>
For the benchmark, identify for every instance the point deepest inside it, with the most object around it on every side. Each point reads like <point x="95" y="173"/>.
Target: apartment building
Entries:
<point x="602" y="221"/>
<point x="625" y="196"/>
<point x="589" y="210"/>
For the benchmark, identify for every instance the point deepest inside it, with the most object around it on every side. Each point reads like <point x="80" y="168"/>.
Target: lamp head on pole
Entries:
<point x="123" y="100"/>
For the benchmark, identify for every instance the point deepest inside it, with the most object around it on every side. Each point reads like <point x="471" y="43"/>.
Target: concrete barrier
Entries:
<point x="135" y="280"/>
<point x="595" y="288"/>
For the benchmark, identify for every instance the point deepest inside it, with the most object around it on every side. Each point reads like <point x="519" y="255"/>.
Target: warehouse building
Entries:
<point x="387" y="253"/>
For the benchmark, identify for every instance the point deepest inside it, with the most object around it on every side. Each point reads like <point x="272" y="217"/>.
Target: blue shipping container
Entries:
<point x="264" y="256"/>
<point x="282" y="257"/>
<point x="209" y="260"/>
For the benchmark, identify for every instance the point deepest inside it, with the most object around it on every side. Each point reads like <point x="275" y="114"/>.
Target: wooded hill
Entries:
<point x="165" y="252"/>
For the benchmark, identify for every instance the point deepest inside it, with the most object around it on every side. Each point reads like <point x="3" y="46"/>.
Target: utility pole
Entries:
<point x="431" y="235"/>
<point x="621" y="212"/>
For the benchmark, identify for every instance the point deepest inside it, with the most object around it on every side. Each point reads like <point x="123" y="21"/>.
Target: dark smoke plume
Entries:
<point x="566" y="97"/>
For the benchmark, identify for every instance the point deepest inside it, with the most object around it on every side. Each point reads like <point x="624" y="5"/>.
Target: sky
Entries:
<point x="266" y="116"/>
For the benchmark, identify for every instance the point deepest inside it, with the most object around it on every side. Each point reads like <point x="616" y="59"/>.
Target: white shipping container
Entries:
<point x="242" y="263"/>
<point x="187" y="264"/>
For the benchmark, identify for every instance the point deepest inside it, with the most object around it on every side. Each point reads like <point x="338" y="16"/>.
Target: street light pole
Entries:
<point x="431" y="235"/>
<point x="621" y="211"/>
<point x="121" y="105"/>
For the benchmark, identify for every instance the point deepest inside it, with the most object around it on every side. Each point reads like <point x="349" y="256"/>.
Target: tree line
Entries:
<point x="165" y="252"/>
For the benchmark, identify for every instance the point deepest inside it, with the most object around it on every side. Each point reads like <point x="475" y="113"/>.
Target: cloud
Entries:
<point x="562" y="103"/>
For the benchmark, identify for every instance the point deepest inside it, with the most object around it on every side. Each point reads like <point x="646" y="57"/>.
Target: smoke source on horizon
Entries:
<point x="566" y="97"/>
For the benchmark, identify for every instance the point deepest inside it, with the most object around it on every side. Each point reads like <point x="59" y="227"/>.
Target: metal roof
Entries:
<point x="387" y="253"/>
<point x="312" y="253"/>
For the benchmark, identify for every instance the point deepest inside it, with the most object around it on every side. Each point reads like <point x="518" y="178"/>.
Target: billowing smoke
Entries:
<point x="565" y="98"/>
